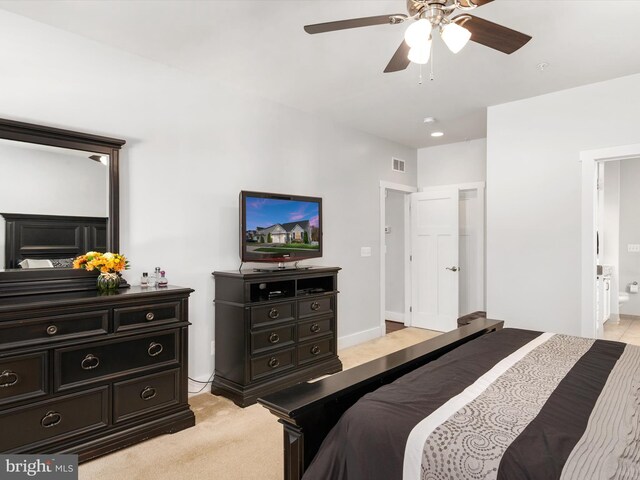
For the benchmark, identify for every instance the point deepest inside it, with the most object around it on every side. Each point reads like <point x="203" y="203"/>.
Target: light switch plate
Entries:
<point x="633" y="248"/>
<point x="365" y="251"/>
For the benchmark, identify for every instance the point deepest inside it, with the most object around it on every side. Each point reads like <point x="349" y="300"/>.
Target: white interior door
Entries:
<point x="434" y="267"/>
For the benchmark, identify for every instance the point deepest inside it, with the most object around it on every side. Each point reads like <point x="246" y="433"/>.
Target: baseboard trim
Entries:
<point x="194" y="387"/>
<point x="358" y="338"/>
<point x="394" y="316"/>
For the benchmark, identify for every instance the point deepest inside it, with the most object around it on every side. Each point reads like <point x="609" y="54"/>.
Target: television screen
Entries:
<point x="279" y="228"/>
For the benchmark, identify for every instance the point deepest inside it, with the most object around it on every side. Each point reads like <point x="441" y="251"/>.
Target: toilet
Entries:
<point x="623" y="297"/>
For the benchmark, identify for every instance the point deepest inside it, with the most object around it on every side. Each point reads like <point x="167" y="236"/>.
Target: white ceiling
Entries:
<point x="260" y="46"/>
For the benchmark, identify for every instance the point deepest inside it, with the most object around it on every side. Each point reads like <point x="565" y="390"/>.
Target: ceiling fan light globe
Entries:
<point x="418" y="33"/>
<point x="421" y="54"/>
<point x="455" y="36"/>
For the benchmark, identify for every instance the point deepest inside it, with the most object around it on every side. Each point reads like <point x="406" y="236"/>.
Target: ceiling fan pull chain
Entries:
<point x="420" y="77"/>
<point x="431" y="76"/>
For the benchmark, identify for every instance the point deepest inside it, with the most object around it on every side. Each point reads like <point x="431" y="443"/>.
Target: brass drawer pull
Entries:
<point x="148" y="393"/>
<point x="150" y="316"/>
<point x="315" y="306"/>
<point x="154" y="349"/>
<point x="274" y="313"/>
<point x="274" y="338"/>
<point x="90" y="362"/>
<point x="315" y="328"/>
<point x="8" y="379"/>
<point x="51" y="419"/>
<point x="315" y="350"/>
<point x="52" y="329"/>
<point x="274" y="362"/>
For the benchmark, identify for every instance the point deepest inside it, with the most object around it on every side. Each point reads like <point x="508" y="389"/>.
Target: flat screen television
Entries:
<point x="279" y="228"/>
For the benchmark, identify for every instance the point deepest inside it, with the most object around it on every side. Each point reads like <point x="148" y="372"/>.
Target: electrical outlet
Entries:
<point x="213" y="347"/>
<point x="633" y="248"/>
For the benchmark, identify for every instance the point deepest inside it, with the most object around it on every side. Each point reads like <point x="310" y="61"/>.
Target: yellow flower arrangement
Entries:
<point x="102" y="262"/>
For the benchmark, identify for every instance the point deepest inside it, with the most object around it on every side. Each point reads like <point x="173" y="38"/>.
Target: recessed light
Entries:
<point x="437" y="134"/>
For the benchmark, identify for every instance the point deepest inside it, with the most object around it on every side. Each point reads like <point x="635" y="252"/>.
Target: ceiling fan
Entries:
<point x="430" y="16"/>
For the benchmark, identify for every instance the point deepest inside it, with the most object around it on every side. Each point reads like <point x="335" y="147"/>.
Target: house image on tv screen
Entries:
<point x="292" y="232"/>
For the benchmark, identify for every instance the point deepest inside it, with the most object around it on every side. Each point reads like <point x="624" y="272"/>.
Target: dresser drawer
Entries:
<point x="317" y="306"/>
<point x="23" y="377"/>
<point x="140" y="316"/>
<point x="314" y="328"/>
<point x="54" y="419"/>
<point x="313" y="351"/>
<point x="80" y="365"/>
<point x="46" y="329"/>
<point x="273" y="313"/>
<point x="272" y="338"/>
<point x="142" y="395"/>
<point x="269" y="364"/>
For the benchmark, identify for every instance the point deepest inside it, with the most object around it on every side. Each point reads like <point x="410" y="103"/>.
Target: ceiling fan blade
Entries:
<point x="491" y="34"/>
<point x="471" y="3"/>
<point x="355" y="23"/>
<point x="400" y="60"/>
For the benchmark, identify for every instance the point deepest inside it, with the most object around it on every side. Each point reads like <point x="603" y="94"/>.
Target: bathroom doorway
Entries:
<point x="617" y="224"/>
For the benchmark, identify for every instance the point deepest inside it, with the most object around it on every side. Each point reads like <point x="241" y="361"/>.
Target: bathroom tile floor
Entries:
<point x="626" y="329"/>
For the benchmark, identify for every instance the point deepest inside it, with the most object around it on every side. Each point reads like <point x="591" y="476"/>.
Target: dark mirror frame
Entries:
<point x="24" y="282"/>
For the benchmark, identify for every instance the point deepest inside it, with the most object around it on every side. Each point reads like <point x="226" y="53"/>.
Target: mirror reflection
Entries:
<point x="54" y="204"/>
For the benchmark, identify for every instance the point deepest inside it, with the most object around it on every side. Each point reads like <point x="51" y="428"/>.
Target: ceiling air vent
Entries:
<point x="397" y="165"/>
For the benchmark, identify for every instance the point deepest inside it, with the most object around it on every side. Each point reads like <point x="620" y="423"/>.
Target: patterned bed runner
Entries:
<point x="506" y="424"/>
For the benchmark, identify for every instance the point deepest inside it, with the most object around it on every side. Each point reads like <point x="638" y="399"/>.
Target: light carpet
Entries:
<point x="228" y="442"/>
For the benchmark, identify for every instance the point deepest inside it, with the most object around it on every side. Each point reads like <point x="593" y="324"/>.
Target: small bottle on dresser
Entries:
<point x="157" y="276"/>
<point x="163" y="282"/>
<point x="144" y="281"/>
<point x="151" y="280"/>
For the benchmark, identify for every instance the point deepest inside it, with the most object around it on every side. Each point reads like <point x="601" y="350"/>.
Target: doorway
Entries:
<point x="593" y="163"/>
<point x="394" y="256"/>
<point x="617" y="249"/>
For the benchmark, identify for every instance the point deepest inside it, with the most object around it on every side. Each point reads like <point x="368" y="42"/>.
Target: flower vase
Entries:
<point x="108" y="282"/>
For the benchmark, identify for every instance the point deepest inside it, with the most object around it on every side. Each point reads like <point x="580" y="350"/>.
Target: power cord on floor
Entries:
<point x="200" y="381"/>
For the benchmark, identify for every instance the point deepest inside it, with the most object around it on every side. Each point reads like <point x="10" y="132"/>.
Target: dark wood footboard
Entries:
<point x="308" y="411"/>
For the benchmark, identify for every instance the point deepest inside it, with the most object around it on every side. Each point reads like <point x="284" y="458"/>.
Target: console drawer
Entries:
<point x="80" y="365"/>
<point x="142" y="395"/>
<point x="272" y="338"/>
<point x="314" y="328"/>
<point x="316" y="306"/>
<point x="54" y="419"/>
<point x="47" y="329"/>
<point x="269" y="364"/>
<point x="313" y="351"/>
<point x="273" y="313"/>
<point x="136" y="317"/>
<point x="23" y="377"/>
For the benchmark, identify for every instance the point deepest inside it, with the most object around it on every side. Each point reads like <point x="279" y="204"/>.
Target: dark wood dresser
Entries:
<point x="273" y="330"/>
<point x="89" y="373"/>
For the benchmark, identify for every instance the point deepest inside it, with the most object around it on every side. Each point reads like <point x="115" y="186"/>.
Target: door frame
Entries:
<point x="406" y="189"/>
<point x="590" y="160"/>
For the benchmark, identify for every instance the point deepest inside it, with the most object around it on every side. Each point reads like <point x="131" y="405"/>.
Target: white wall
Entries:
<point x="609" y="233"/>
<point x="629" y="232"/>
<point x="463" y="162"/>
<point x="534" y="197"/>
<point x="394" y="259"/>
<point x="191" y="147"/>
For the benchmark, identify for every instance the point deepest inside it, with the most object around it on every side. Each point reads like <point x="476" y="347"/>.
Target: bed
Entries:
<point x="41" y="241"/>
<point x="479" y="402"/>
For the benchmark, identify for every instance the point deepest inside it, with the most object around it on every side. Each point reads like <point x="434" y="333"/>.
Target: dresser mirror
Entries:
<point x="59" y="200"/>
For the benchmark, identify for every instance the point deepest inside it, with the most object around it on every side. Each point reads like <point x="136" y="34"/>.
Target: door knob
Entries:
<point x="453" y="269"/>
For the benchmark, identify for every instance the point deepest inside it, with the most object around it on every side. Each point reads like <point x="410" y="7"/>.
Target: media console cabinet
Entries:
<point x="273" y="330"/>
<point x="88" y="373"/>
